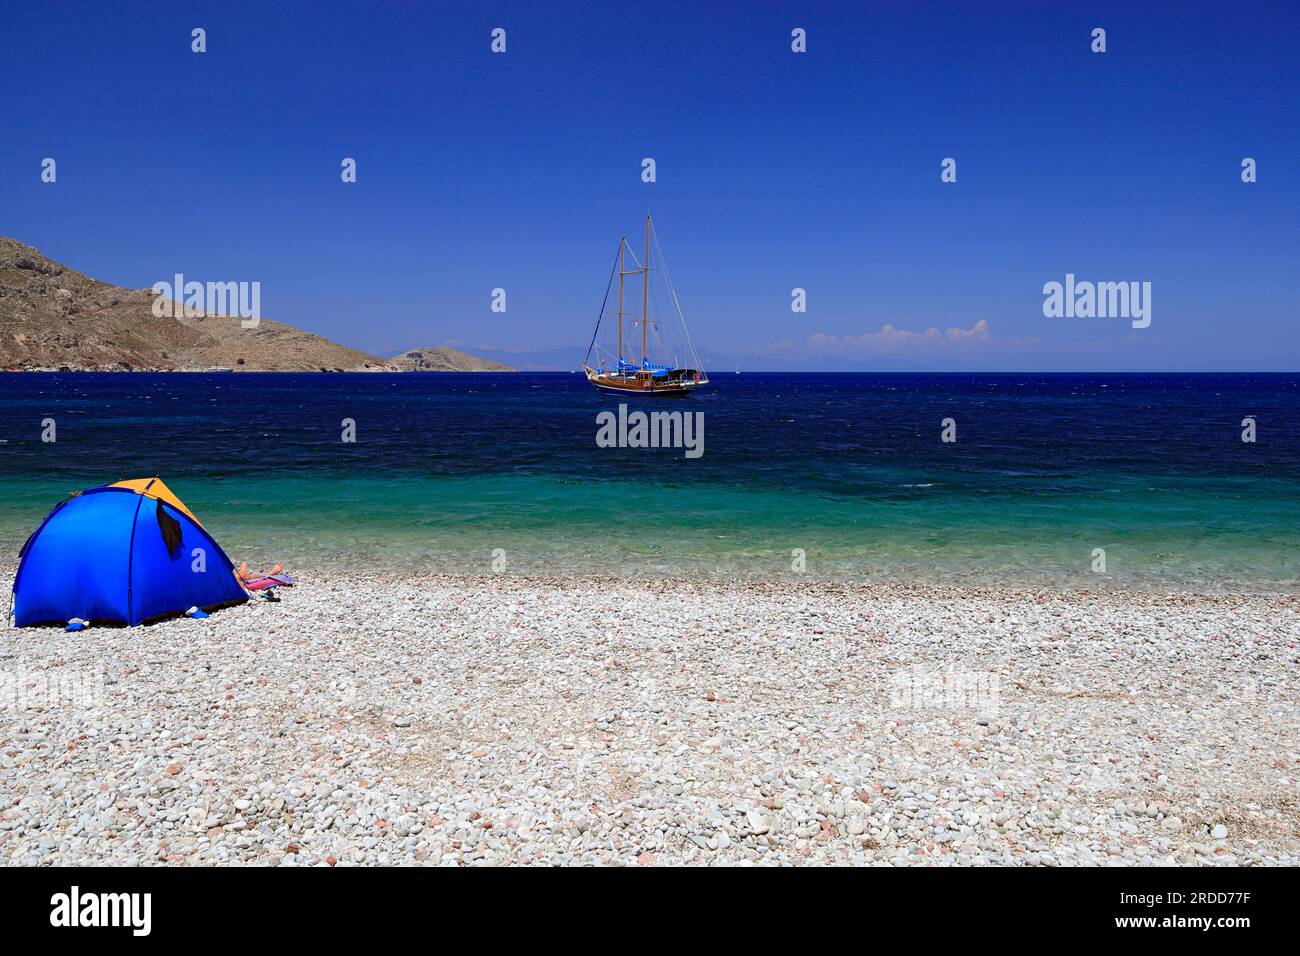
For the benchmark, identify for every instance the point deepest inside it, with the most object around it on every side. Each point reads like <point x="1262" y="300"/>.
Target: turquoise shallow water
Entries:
<point x="849" y="469"/>
<point x="547" y="525"/>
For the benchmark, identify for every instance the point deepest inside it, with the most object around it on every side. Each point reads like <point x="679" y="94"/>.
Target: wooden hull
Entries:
<point x="644" y="385"/>
<point x="667" y="392"/>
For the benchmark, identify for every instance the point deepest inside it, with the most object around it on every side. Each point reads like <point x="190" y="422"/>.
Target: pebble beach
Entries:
<point x="376" y="718"/>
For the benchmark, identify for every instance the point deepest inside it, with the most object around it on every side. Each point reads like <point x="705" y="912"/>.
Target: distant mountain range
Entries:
<point x="571" y="358"/>
<point x="544" y="360"/>
<point x="722" y="363"/>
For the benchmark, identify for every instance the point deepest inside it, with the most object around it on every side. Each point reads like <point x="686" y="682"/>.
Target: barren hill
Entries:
<point x="445" y="360"/>
<point x="55" y="318"/>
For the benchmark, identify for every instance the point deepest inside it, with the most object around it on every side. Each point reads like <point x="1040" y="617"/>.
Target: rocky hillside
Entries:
<point x="54" y="318"/>
<point x="445" y="360"/>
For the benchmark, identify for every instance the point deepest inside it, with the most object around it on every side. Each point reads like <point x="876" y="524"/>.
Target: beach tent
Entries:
<point x="126" y="552"/>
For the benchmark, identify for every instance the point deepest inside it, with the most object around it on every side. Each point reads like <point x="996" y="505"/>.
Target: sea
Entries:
<point x="1080" y="481"/>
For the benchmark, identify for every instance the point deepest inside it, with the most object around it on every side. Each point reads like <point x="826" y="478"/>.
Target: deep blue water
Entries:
<point x="849" y="468"/>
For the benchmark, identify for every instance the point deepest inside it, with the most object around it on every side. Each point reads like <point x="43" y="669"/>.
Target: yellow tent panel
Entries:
<point x="154" y="488"/>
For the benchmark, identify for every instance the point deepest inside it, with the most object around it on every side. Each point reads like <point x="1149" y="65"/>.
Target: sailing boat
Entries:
<point x="618" y="369"/>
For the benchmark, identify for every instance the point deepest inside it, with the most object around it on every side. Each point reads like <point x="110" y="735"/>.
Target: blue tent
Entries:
<point x="123" y="553"/>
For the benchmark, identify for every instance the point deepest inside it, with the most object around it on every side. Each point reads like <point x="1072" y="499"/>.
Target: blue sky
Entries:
<point x="775" y="170"/>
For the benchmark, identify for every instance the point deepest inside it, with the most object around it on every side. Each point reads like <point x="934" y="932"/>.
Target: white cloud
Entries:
<point x="891" y="341"/>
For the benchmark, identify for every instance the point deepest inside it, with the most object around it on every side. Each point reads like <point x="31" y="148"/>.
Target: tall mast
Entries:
<point x="622" y="243"/>
<point x="645" y="289"/>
